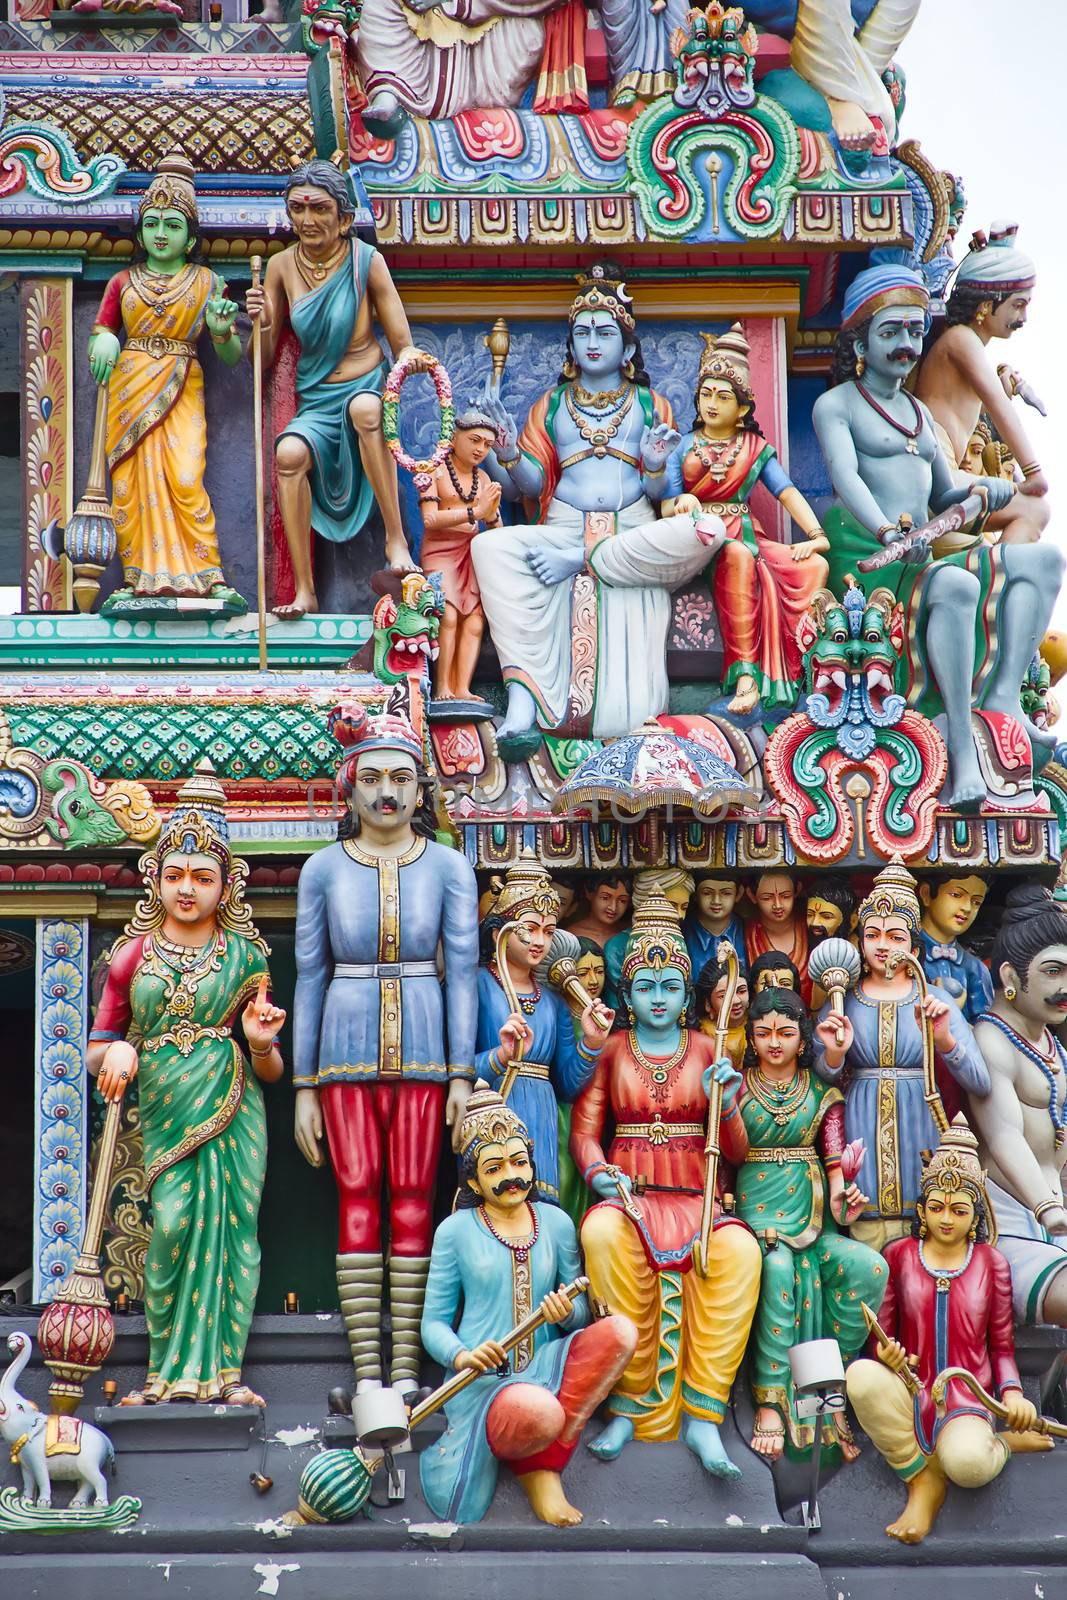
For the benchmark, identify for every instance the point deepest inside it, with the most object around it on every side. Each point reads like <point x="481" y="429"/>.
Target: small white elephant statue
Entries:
<point x="63" y="1448"/>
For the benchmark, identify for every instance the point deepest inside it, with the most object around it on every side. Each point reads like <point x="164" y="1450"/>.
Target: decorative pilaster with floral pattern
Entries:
<point x="47" y="418"/>
<point x="61" y="1111"/>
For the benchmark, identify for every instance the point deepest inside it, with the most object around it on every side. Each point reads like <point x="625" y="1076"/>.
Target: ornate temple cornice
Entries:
<point x="483" y="180"/>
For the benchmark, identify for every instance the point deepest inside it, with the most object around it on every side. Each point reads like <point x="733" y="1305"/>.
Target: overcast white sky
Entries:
<point x="985" y="100"/>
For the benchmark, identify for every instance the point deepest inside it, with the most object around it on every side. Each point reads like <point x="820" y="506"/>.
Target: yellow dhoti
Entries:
<point x="967" y="1450"/>
<point x="692" y="1331"/>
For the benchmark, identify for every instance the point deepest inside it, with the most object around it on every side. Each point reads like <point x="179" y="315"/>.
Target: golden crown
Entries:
<point x="198" y="825"/>
<point x="656" y="939"/>
<point x="599" y="290"/>
<point x="893" y="894"/>
<point x="488" y="1120"/>
<point x="525" y="887"/>
<point x="726" y="356"/>
<point x="954" y="1164"/>
<point x="172" y="188"/>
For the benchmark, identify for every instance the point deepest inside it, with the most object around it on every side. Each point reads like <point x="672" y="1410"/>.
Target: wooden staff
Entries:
<point x="931" y="1093"/>
<point x="521" y="1331"/>
<point x="507" y="983"/>
<point x="728" y="955"/>
<point x="257" y="415"/>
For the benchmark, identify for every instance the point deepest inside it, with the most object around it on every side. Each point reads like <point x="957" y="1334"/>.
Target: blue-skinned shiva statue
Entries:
<point x="578" y="604"/>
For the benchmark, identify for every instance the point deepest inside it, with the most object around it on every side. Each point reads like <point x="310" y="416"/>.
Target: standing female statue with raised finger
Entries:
<point x="156" y="421"/>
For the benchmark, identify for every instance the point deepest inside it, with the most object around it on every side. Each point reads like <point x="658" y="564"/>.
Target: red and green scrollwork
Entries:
<point x="855" y="749"/>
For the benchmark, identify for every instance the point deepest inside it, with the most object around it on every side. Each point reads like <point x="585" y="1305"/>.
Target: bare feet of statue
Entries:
<point x="966" y="787"/>
<point x="398" y="558"/>
<point x="239" y="1394"/>
<point x="135" y="1397"/>
<point x="850" y="1450"/>
<point x="747" y="697"/>
<point x="554" y="566"/>
<point x="303" y="604"/>
<point x="854" y="128"/>
<point x="521" y="713"/>
<point x="768" y="1433"/>
<point x="926" y="1496"/>
<point x="544" y="1490"/>
<point x="1029" y="1440"/>
<point x="705" y="1441"/>
<point x="609" y="1444"/>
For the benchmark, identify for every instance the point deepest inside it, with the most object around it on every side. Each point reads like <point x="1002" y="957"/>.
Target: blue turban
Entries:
<point x="878" y="287"/>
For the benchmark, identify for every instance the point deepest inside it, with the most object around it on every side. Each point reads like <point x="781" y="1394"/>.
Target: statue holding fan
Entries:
<point x="894" y="1052"/>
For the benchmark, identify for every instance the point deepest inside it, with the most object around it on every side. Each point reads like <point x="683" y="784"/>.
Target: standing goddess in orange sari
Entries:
<point x="762" y="588"/>
<point x="156" y="423"/>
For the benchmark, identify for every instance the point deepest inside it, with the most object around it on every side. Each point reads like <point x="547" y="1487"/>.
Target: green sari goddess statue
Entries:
<point x="186" y="964"/>
<point x="793" y="1193"/>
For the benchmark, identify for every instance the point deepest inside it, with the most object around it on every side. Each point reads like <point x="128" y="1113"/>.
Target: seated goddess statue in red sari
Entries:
<point x="761" y="587"/>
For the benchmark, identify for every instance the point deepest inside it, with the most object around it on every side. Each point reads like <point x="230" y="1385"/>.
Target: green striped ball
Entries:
<point x="334" y="1486"/>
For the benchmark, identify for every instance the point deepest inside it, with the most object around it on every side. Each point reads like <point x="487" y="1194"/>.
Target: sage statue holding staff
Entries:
<point x="332" y="460"/>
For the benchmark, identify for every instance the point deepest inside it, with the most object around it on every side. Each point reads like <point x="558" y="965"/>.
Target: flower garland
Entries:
<point x="422" y="471"/>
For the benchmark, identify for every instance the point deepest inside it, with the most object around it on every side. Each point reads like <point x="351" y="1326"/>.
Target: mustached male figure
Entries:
<point x="498" y="1258"/>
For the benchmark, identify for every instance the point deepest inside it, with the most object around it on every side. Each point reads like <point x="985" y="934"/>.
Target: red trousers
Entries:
<point x="384" y="1130"/>
<point x="531" y="1429"/>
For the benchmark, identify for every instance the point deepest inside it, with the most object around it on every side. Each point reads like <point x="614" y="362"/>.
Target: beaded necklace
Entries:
<point x="520" y="1247"/>
<point x="468" y="499"/>
<point x="527" y="1002"/>
<point x="910" y="434"/>
<point x="723" y="456"/>
<point x="942" y="1276"/>
<point x="1044" y="1064"/>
